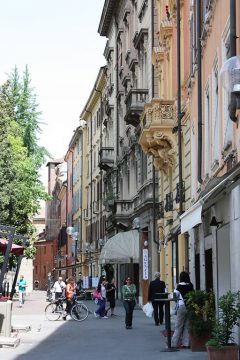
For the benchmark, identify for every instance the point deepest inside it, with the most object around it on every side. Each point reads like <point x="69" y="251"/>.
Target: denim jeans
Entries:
<point x="101" y="310"/>
<point x="129" y="306"/>
<point x="21" y="297"/>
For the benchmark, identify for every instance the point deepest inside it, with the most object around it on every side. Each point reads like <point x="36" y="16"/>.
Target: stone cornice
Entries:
<point x="139" y="36"/>
<point x="106" y="17"/>
<point x="99" y="85"/>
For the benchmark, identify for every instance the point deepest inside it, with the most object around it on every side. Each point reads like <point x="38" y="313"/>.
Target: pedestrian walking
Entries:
<point x="69" y="293"/>
<point x="155" y="291"/>
<point x="101" y="311"/>
<point x="22" y="285"/>
<point x="111" y="291"/>
<point x="59" y="288"/>
<point x="129" y="302"/>
<point x="181" y="335"/>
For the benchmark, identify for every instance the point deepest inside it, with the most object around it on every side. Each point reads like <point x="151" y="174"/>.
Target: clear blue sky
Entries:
<point x="59" y="42"/>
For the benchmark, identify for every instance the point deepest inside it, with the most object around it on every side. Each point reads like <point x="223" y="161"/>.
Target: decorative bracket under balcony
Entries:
<point x="156" y="137"/>
<point x="158" y="57"/>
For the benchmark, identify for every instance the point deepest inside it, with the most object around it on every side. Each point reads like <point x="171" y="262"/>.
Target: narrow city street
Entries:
<point x="94" y="338"/>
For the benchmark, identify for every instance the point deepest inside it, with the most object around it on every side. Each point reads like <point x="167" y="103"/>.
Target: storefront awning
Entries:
<point x="121" y="248"/>
<point x="16" y="249"/>
<point x="193" y="216"/>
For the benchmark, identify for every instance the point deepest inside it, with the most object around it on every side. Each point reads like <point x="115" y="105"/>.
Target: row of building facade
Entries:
<point x="153" y="167"/>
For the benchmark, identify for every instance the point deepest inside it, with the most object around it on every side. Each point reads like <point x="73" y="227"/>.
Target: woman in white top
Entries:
<point x="181" y="335"/>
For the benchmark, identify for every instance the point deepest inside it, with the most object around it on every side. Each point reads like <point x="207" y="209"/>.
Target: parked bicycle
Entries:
<point x="57" y="309"/>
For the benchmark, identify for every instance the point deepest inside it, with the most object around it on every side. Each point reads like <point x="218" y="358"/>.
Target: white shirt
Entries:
<point x="103" y="291"/>
<point x="59" y="286"/>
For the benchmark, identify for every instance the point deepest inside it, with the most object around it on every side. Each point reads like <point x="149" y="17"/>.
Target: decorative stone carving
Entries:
<point x="208" y="22"/>
<point x="158" y="58"/>
<point x="156" y="136"/>
<point x="165" y="33"/>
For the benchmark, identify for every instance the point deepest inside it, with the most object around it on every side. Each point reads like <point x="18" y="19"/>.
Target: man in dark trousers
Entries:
<point x="155" y="287"/>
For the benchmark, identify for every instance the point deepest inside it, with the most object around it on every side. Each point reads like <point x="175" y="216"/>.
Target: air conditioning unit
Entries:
<point x="96" y="207"/>
<point x="85" y="214"/>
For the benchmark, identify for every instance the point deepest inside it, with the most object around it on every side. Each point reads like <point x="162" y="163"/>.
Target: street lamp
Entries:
<point x="89" y="249"/>
<point x="75" y="237"/>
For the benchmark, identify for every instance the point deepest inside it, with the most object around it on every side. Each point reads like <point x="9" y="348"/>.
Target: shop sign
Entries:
<point x="145" y="264"/>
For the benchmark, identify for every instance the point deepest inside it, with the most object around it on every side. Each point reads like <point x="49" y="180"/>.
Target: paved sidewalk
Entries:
<point x="93" y="338"/>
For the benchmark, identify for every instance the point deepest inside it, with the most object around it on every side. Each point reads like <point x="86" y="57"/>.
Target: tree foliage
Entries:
<point x="21" y="156"/>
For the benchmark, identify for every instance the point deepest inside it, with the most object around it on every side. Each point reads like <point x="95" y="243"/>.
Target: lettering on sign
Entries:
<point x="145" y="264"/>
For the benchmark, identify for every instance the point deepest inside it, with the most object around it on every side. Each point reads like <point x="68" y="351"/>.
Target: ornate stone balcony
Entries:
<point x="120" y="214"/>
<point x="106" y="158"/>
<point x="135" y="101"/>
<point x="156" y="138"/>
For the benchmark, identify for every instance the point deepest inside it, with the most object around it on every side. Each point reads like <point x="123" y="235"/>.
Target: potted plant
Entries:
<point x="221" y="346"/>
<point x="200" y="306"/>
<point x="109" y="199"/>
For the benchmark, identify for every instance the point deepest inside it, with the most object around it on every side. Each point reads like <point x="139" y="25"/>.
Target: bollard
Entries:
<point x="5" y="318"/>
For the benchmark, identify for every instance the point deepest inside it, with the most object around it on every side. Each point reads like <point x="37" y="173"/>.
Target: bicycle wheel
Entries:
<point x="79" y="312"/>
<point x="51" y="312"/>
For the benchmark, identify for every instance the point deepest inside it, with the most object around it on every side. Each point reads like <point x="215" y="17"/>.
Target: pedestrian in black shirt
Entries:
<point x="155" y="287"/>
<point x="111" y="290"/>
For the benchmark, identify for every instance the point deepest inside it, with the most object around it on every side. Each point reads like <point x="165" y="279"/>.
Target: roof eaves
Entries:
<point x="107" y="13"/>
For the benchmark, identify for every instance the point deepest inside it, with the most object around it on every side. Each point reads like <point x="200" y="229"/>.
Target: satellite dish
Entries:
<point x="230" y="75"/>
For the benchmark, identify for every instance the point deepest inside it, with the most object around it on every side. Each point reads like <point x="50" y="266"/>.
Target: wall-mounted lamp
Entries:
<point x="136" y="223"/>
<point x="215" y="223"/>
<point x="145" y="243"/>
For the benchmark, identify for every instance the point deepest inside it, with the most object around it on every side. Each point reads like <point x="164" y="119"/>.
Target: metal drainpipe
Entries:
<point x="152" y="29"/>
<point x="117" y="114"/>
<point x="153" y="167"/>
<point x="91" y="179"/>
<point x="101" y="176"/>
<point x="81" y="202"/>
<point x="180" y="114"/>
<point x="199" y="64"/>
<point x="67" y="209"/>
<point x="233" y="37"/>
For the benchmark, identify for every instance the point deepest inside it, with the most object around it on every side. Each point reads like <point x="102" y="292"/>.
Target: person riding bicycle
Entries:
<point x="69" y="292"/>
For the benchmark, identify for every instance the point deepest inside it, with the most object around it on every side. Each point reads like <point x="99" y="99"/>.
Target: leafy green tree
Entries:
<point x="21" y="156"/>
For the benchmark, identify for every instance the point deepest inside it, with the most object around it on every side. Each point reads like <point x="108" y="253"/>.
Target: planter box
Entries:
<point x="198" y="343"/>
<point x="229" y="352"/>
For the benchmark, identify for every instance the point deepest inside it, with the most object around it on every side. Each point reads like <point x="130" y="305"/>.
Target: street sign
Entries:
<point x="60" y="257"/>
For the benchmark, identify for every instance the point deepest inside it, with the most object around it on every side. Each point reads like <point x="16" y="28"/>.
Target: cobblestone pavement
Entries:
<point x="103" y="339"/>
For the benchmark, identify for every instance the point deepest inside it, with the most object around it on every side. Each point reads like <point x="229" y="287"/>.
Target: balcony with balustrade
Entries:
<point x="106" y="158"/>
<point x="135" y="101"/>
